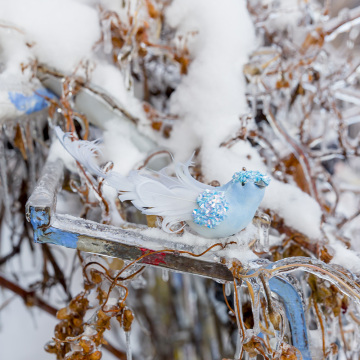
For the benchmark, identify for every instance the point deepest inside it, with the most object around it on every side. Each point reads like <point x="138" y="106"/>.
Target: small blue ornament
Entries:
<point x="31" y="103"/>
<point x="212" y="208"/>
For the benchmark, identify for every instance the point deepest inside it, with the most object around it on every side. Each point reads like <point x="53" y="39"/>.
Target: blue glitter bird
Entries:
<point x="212" y="212"/>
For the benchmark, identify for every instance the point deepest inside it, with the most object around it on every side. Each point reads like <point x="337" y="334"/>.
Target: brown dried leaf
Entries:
<point x="294" y="168"/>
<point x="20" y="142"/>
<point x="153" y="13"/>
<point x="156" y="125"/>
<point x="63" y="314"/>
<point x="127" y="319"/>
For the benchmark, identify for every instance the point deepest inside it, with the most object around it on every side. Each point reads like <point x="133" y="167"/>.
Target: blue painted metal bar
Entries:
<point x="43" y="233"/>
<point x="294" y="313"/>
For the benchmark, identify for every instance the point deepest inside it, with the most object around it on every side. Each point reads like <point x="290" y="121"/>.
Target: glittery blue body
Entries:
<point x="226" y="210"/>
<point x="212" y="210"/>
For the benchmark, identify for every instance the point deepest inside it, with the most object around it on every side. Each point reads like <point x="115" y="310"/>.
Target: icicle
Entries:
<point x="106" y="28"/>
<point x="262" y="222"/>
<point x="254" y="290"/>
<point x="239" y="321"/>
<point x="165" y="275"/>
<point x="28" y="128"/>
<point x="128" y="346"/>
<point x="139" y="282"/>
<point x="227" y="289"/>
<point x="238" y="347"/>
<point x="3" y="178"/>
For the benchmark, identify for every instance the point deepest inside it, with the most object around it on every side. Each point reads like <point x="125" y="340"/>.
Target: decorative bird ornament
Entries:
<point x="212" y="212"/>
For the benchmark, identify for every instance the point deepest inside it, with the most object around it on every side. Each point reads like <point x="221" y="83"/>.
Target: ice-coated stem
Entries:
<point x="346" y="285"/>
<point x="239" y="320"/>
<point x="254" y="290"/>
<point x="238" y="347"/>
<point x="227" y="289"/>
<point x="298" y="150"/>
<point x="3" y="179"/>
<point x="128" y="345"/>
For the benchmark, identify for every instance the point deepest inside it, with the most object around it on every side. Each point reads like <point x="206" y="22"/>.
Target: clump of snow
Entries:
<point x="211" y="97"/>
<point x="298" y="209"/>
<point x="119" y="147"/>
<point x="57" y="152"/>
<point x="240" y="155"/>
<point x="61" y="32"/>
<point x="109" y="78"/>
<point x="14" y="52"/>
<point x="345" y="257"/>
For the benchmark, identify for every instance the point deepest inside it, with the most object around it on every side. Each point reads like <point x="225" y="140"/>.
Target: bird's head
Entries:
<point x="250" y="178"/>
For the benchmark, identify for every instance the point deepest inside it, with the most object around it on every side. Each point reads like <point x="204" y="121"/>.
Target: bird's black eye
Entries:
<point x="243" y="183"/>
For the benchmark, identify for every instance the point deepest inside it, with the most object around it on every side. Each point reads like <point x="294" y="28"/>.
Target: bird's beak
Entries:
<point x="260" y="184"/>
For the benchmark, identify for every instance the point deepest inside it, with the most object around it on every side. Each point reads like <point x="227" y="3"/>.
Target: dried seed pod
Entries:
<point x="63" y="313"/>
<point x="51" y="347"/>
<point x="127" y="319"/>
<point x="95" y="276"/>
<point x="289" y="353"/>
<point x="87" y="345"/>
<point x="95" y="355"/>
<point x="103" y="320"/>
<point x="275" y="319"/>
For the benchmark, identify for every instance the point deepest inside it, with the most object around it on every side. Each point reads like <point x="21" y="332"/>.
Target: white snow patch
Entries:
<point x="347" y="258"/>
<point x="109" y="78"/>
<point x="211" y="97"/>
<point x="299" y="210"/>
<point x="119" y="147"/>
<point x="59" y="153"/>
<point x="222" y="163"/>
<point x="13" y="53"/>
<point x="63" y="31"/>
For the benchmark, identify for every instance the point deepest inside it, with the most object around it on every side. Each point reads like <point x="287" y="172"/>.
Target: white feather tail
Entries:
<point x="153" y="193"/>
